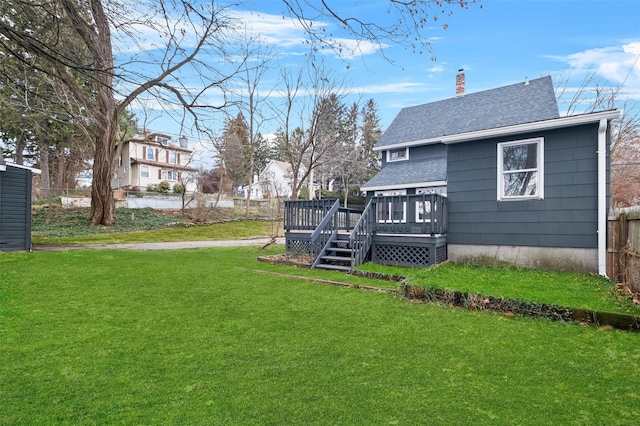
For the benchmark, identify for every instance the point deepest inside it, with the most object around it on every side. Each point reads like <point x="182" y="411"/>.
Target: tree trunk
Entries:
<point x="20" y="143"/>
<point x="45" y="176"/>
<point x="102" y="202"/>
<point x="60" y="170"/>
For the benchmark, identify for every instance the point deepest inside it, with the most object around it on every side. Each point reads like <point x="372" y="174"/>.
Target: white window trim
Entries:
<point x="389" y="219"/>
<point x="539" y="170"/>
<point x="169" y="175"/>
<point x="406" y="154"/>
<point x="142" y="171"/>
<point x="149" y="150"/>
<point x="418" y="205"/>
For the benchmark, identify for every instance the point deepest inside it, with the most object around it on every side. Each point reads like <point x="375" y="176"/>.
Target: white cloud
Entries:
<point x="403" y="87"/>
<point x="619" y="65"/>
<point x="282" y="31"/>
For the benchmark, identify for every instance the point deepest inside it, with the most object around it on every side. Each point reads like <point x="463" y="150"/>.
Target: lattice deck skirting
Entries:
<point x="399" y="250"/>
<point x="407" y="251"/>
<point x="299" y="243"/>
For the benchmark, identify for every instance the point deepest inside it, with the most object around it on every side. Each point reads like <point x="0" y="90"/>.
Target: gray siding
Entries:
<point x="422" y="152"/>
<point x="15" y="209"/>
<point x="567" y="217"/>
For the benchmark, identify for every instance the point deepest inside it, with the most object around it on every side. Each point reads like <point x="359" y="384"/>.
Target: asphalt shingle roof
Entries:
<point x="504" y="106"/>
<point x="410" y="172"/>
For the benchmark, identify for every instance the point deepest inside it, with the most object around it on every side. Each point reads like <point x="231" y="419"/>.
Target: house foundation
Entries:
<point x="584" y="260"/>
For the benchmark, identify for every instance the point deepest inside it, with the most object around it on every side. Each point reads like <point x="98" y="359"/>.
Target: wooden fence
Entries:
<point x="623" y="263"/>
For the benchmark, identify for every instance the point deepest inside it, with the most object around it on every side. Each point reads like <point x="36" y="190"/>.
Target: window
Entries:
<point x="398" y="154"/>
<point x="169" y="175"/>
<point x="150" y="154"/>
<point x="392" y="208"/>
<point x="120" y="160"/>
<point x="144" y="171"/>
<point x="424" y="207"/>
<point x="520" y="170"/>
<point x="173" y="157"/>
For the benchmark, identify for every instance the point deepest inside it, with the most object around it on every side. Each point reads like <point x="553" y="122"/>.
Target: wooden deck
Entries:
<point x="408" y="230"/>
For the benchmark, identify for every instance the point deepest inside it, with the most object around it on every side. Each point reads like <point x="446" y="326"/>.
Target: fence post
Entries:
<point x="622" y="243"/>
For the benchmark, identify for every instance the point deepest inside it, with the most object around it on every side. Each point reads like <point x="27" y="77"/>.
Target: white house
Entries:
<point x="153" y="158"/>
<point x="276" y="180"/>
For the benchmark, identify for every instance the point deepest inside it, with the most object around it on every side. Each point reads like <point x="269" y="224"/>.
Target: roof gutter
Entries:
<point x="602" y="197"/>
<point x="554" y="123"/>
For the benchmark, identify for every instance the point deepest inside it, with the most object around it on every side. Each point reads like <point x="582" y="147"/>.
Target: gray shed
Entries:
<point x="15" y="206"/>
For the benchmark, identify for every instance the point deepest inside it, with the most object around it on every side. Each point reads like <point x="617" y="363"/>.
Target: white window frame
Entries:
<point x="144" y="171"/>
<point x="151" y="151"/>
<point x="419" y="205"/>
<point x="169" y="175"/>
<point x="390" y="157"/>
<point x="539" y="170"/>
<point x="173" y="157"/>
<point x="389" y="218"/>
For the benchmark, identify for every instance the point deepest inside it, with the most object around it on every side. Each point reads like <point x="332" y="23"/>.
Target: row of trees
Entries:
<point x="87" y="61"/>
<point x="334" y="148"/>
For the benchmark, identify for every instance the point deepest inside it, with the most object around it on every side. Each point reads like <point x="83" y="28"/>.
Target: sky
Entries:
<point x="503" y="42"/>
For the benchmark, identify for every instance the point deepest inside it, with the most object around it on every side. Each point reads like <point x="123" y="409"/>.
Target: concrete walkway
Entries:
<point x="175" y="245"/>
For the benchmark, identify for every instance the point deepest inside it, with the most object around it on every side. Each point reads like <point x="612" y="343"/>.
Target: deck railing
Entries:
<point x="421" y="214"/>
<point x="306" y="215"/>
<point x="362" y="236"/>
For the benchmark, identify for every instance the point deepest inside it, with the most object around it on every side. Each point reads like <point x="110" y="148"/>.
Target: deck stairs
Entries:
<point x="337" y="254"/>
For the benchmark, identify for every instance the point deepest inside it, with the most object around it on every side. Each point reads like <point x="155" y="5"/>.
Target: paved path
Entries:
<point x="176" y="245"/>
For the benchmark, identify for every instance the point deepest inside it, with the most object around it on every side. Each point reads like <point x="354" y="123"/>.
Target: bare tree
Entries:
<point x="252" y="74"/>
<point x="303" y="138"/>
<point x="593" y="95"/>
<point x="186" y="35"/>
<point x="407" y="23"/>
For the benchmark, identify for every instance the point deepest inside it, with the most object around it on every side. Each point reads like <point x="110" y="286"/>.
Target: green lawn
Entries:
<point x="566" y="289"/>
<point x="197" y="337"/>
<point x="56" y="225"/>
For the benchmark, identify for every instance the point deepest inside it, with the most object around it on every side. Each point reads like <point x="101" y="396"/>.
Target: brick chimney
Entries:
<point x="460" y="82"/>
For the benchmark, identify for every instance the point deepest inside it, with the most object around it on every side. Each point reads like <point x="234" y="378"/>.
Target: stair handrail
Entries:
<point x="329" y="220"/>
<point x="324" y="248"/>
<point x="361" y="236"/>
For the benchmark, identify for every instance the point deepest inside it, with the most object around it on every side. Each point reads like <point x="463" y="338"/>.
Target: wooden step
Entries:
<point x="339" y="249"/>
<point x="336" y="258"/>
<point x="333" y="267"/>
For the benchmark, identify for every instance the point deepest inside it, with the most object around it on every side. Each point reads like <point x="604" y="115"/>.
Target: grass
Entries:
<point x="54" y="225"/>
<point x="215" y="231"/>
<point x="196" y="337"/>
<point x="555" y="288"/>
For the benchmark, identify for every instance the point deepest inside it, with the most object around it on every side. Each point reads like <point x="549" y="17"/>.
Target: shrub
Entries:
<point x="178" y="188"/>
<point x="163" y="187"/>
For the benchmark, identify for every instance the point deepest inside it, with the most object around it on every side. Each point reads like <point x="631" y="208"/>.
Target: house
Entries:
<point x="15" y="206"/>
<point x="275" y="180"/>
<point x="493" y="178"/>
<point x="150" y="159"/>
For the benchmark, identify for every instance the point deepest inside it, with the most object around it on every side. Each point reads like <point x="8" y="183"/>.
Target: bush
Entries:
<point x="178" y="188"/>
<point x="163" y="187"/>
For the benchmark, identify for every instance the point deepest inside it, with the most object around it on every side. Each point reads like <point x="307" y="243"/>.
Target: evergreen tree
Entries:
<point x="371" y="132"/>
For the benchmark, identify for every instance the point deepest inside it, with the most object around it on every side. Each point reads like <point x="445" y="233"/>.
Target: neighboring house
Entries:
<point x="276" y="180"/>
<point x="495" y="177"/>
<point x="153" y="158"/>
<point x="15" y="206"/>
